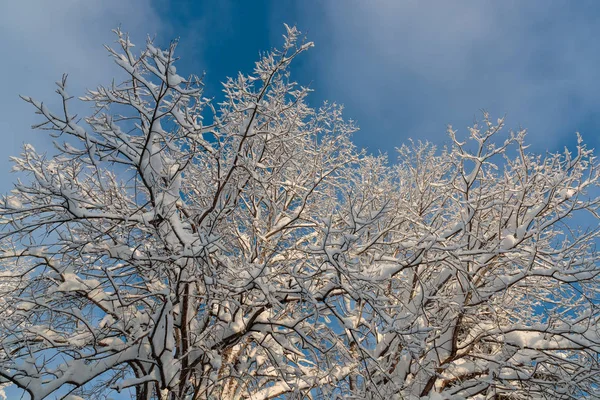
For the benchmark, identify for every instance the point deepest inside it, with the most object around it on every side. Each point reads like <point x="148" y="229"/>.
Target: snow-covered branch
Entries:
<point x="183" y="249"/>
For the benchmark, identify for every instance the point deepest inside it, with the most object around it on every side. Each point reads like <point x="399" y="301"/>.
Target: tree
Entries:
<point x="246" y="250"/>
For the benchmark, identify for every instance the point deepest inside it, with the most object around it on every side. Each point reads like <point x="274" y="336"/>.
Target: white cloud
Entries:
<point x="40" y="40"/>
<point x="414" y="66"/>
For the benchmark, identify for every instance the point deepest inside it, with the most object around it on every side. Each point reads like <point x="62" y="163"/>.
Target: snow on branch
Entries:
<point x="183" y="249"/>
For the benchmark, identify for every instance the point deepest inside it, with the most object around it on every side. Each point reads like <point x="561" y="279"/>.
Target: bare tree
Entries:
<point x="246" y="250"/>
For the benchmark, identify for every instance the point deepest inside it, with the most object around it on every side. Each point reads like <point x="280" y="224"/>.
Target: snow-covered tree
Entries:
<point x="181" y="249"/>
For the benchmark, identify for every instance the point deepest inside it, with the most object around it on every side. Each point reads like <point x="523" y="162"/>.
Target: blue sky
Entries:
<point x="403" y="69"/>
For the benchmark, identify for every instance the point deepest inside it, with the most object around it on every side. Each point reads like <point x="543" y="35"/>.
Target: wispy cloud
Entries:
<point x="407" y="68"/>
<point x="40" y="40"/>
